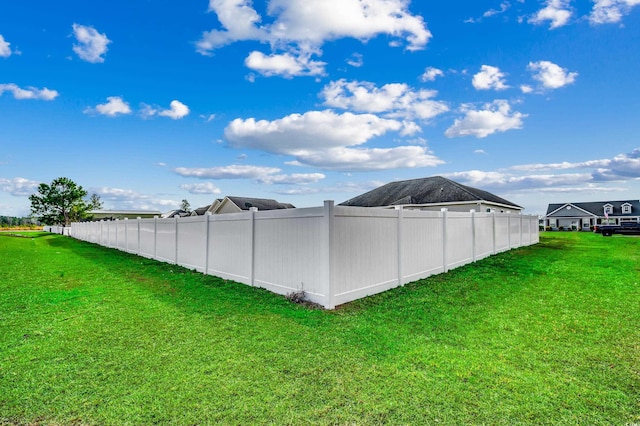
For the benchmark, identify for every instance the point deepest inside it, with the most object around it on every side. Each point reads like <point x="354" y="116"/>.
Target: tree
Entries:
<point x="94" y="202"/>
<point x="59" y="203"/>
<point x="185" y="206"/>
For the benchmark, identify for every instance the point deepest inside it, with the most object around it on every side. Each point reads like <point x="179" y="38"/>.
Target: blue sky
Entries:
<point x="150" y="102"/>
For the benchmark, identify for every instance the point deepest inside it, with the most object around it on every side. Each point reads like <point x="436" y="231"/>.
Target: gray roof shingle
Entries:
<point x="246" y="203"/>
<point x="431" y="190"/>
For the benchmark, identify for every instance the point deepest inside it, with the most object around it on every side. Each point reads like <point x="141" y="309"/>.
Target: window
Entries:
<point x="626" y="208"/>
<point x="608" y="209"/>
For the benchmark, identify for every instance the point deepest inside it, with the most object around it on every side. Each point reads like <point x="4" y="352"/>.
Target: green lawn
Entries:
<point x="547" y="334"/>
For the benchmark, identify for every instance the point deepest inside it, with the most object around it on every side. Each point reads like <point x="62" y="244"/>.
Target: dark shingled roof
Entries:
<point x="431" y="190"/>
<point x="261" y="203"/>
<point x="201" y="210"/>
<point x="596" y="208"/>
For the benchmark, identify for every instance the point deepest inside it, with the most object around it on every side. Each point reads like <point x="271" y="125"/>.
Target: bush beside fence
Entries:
<point x="334" y="254"/>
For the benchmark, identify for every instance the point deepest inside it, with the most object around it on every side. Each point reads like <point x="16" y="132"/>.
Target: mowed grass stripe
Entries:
<point x="547" y="334"/>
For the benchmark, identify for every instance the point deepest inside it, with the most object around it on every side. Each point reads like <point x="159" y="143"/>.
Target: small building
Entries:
<point x="97" y="215"/>
<point x="232" y="204"/>
<point x="433" y="193"/>
<point x="585" y="216"/>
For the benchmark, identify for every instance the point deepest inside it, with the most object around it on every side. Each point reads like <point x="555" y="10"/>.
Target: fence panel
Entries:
<point x="192" y="242"/>
<point x="121" y="235"/>
<point x="422" y="245"/>
<point x="365" y="250"/>
<point x="131" y="235"/>
<point x="288" y="252"/>
<point x="502" y="232"/>
<point x="230" y="247"/>
<point x="459" y="244"/>
<point x="112" y="234"/>
<point x="166" y="240"/>
<point x="483" y="235"/>
<point x="514" y="231"/>
<point x="147" y="238"/>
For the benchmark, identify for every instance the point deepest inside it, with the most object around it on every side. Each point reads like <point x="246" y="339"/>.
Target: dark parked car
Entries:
<point x="625" y="228"/>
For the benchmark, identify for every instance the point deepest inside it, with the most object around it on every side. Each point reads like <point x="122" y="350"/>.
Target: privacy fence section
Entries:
<point x="334" y="254"/>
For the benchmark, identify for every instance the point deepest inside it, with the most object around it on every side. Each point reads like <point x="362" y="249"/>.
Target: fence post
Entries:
<point x="444" y="239"/>
<point x="126" y="234"/>
<point x="521" y="244"/>
<point x="327" y="248"/>
<point x="493" y="217"/>
<point x="252" y="245"/>
<point x="509" y="230"/>
<point x="399" y="242"/>
<point x="138" y="222"/>
<point x="117" y="239"/>
<point x="155" y="237"/>
<point x="473" y="235"/>
<point x="176" y="228"/>
<point x="207" y="216"/>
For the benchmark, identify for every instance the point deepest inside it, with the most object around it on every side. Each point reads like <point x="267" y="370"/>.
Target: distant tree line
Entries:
<point x="13" y="222"/>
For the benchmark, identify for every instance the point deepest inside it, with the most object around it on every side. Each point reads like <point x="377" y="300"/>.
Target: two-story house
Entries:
<point x="584" y="216"/>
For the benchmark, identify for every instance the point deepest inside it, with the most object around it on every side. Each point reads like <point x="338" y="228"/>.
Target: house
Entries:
<point x="232" y="204"/>
<point x="584" y="216"/>
<point x="122" y="214"/>
<point x="433" y="193"/>
<point x="174" y="213"/>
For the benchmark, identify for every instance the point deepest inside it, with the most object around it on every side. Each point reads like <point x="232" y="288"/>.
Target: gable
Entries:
<point x="567" y="210"/>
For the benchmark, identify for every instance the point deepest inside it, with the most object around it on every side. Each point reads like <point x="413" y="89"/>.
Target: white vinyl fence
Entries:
<point x="335" y="254"/>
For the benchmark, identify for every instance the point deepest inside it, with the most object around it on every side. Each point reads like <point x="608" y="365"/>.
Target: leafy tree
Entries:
<point x="185" y="206"/>
<point x="94" y="202"/>
<point x="59" y="203"/>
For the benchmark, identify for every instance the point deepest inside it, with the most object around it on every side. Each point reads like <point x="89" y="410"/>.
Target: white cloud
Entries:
<point x="292" y="179"/>
<point x="489" y="78"/>
<point x="238" y="18"/>
<point x="29" y="93"/>
<point x="313" y="130"/>
<point x="355" y="60"/>
<point x="610" y="11"/>
<point x="431" y="73"/>
<point x="621" y="167"/>
<point x="324" y="139"/>
<point x="127" y="199"/>
<point x="550" y="75"/>
<point x="556" y="11"/>
<point x="394" y="100"/>
<point x="176" y="111"/>
<point x="5" y="49"/>
<point x="201" y="188"/>
<point x="504" y="6"/>
<point x="91" y="44"/>
<point x="343" y="187"/>
<point x="300" y="27"/>
<point x="113" y="107"/>
<point x="234" y="171"/>
<point x="19" y="187"/>
<point x="286" y="65"/>
<point x="504" y="181"/>
<point x="525" y="88"/>
<point x="369" y="159"/>
<point x="494" y="117"/>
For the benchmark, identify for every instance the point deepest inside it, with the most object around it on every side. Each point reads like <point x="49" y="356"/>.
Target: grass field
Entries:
<point x="546" y="334"/>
